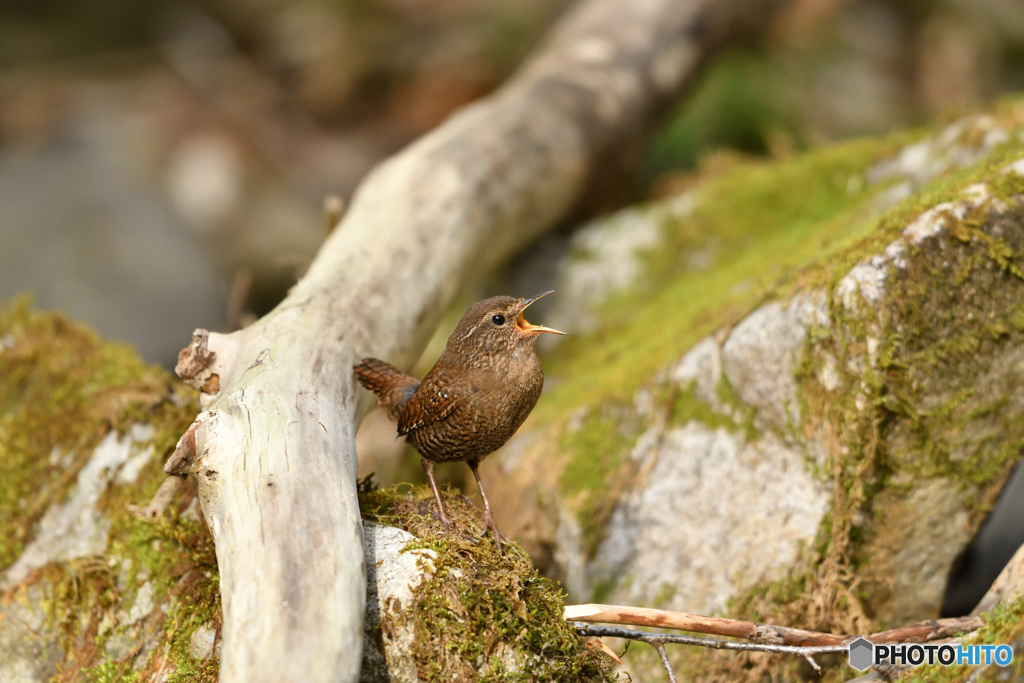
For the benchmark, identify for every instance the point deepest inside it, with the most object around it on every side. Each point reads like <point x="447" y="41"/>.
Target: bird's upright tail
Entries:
<point x="393" y="386"/>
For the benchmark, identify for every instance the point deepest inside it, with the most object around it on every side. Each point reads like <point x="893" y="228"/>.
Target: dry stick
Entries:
<point x="763" y="633"/>
<point x="163" y="497"/>
<point x="660" y="647"/>
<point x="927" y="631"/>
<point x="656" y="639"/>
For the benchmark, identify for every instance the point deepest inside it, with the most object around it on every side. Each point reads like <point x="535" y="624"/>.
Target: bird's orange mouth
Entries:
<point x="527" y="328"/>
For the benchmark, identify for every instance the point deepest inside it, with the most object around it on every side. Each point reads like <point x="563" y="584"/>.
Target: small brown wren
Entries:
<point x="474" y="398"/>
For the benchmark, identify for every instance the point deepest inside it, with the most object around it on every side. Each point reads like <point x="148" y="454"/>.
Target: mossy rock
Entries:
<point x="448" y="607"/>
<point x="1004" y="626"/>
<point x="92" y="593"/>
<point x="806" y="424"/>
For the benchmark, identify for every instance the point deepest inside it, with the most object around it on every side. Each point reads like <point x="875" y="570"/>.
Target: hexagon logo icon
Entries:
<point x="862" y="654"/>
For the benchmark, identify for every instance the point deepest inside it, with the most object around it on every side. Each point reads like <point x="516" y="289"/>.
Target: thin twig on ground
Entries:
<point x="714" y="643"/>
<point x="769" y="634"/>
<point x="660" y="647"/>
<point x="163" y="497"/>
<point x="763" y="637"/>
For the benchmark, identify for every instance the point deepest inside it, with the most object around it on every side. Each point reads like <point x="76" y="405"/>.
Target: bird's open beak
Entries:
<point x="527" y="328"/>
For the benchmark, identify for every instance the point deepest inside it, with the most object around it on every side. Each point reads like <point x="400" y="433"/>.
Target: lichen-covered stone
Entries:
<point x="201" y="643"/>
<point x="76" y="528"/>
<point x="391" y="578"/>
<point x="29" y="644"/>
<point x="827" y="413"/>
<point x="104" y="595"/>
<point x="762" y="351"/>
<point x="712" y="507"/>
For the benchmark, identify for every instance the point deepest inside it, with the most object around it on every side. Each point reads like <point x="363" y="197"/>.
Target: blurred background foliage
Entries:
<point x="157" y="156"/>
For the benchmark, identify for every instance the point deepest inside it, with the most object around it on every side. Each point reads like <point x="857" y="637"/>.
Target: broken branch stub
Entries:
<point x="194" y="363"/>
<point x="274" y="450"/>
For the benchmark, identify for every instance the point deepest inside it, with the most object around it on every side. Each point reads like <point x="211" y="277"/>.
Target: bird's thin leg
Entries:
<point x="428" y="466"/>
<point x="488" y="517"/>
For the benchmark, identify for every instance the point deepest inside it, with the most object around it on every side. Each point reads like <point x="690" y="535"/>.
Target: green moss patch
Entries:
<point x="770" y="226"/>
<point x="61" y="390"/>
<point x="598" y="468"/>
<point x="93" y="600"/>
<point x="762" y="221"/>
<point x="1003" y="626"/>
<point x="687" y="407"/>
<point x="130" y="613"/>
<point x="482" y="616"/>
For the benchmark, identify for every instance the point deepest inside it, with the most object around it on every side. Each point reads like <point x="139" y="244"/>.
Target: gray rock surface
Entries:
<point x="921" y="536"/>
<point x="75" y="528"/>
<point x="391" y="577"/>
<point x="702" y="366"/>
<point x="29" y="646"/>
<point x="712" y="514"/>
<point x="201" y="644"/>
<point x="605" y="257"/>
<point x="928" y="158"/>
<point x="762" y="351"/>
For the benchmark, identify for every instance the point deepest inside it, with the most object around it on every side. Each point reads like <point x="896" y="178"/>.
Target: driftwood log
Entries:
<point x="273" y="451"/>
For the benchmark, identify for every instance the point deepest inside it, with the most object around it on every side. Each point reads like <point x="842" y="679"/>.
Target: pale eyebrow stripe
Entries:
<point x="471" y="331"/>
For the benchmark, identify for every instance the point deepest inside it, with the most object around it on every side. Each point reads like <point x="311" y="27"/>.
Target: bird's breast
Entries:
<point x="491" y="407"/>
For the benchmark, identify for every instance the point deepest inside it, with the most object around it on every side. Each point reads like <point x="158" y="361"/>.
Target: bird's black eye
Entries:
<point x="498" y="319"/>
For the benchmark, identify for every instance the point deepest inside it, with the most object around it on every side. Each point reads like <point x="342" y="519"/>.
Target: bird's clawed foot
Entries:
<point x="490" y="525"/>
<point x="450" y="527"/>
<point x="488" y="518"/>
<point x="440" y="516"/>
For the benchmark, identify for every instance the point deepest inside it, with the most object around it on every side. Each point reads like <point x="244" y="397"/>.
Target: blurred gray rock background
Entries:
<point x="150" y="152"/>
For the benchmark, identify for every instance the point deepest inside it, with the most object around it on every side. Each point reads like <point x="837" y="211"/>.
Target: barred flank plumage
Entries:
<point x="393" y="386"/>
